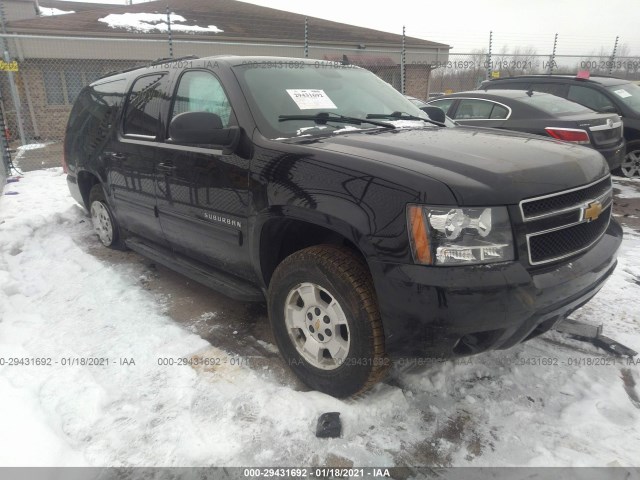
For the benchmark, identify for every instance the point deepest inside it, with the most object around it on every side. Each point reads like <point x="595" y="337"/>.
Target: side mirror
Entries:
<point x="435" y="113"/>
<point x="203" y="128"/>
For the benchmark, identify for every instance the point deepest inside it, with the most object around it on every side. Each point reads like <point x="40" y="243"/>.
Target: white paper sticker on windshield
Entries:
<point x="309" y="99"/>
<point x="622" y="93"/>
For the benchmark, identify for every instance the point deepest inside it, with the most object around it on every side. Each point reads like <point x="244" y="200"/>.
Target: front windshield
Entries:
<point x="320" y="88"/>
<point x="628" y="93"/>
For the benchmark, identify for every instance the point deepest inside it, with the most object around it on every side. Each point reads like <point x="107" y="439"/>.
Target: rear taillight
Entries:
<point x="573" y="135"/>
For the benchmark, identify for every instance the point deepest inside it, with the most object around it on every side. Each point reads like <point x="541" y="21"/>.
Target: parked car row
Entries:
<point x="610" y="113"/>
<point x="539" y="113"/>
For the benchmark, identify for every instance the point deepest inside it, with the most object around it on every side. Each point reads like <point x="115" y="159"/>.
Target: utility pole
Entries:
<point x="306" y="37"/>
<point x="552" y="59"/>
<point x="489" y="55"/>
<point x="169" y="31"/>
<point x="613" y="55"/>
<point x="403" y="61"/>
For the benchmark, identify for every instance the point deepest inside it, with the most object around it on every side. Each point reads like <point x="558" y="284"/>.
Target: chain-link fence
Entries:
<point x="50" y="72"/>
<point x="462" y="72"/>
<point x="4" y="167"/>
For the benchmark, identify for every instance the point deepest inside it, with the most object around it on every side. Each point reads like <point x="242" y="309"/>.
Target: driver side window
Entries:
<point x="200" y="91"/>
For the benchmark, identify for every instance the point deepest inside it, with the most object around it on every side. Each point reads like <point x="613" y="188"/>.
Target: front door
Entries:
<point x="203" y="196"/>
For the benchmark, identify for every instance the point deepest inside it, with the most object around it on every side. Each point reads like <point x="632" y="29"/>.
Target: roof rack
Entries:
<point x="171" y="59"/>
<point x="115" y="72"/>
<point x="159" y="61"/>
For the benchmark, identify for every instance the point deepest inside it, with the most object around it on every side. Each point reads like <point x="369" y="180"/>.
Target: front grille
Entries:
<point x="565" y="223"/>
<point x="557" y="244"/>
<point x="612" y="135"/>
<point x="562" y="201"/>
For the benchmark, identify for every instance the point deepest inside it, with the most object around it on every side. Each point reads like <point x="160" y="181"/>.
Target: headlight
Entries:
<point x="459" y="236"/>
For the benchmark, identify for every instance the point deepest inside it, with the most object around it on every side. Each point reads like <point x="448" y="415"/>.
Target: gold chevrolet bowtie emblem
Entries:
<point x="317" y="324"/>
<point x="593" y="211"/>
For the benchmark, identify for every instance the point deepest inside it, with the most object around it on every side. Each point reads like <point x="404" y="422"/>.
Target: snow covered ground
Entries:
<point x="60" y="302"/>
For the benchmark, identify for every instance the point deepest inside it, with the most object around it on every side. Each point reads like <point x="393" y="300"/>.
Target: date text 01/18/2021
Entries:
<point x="318" y="472"/>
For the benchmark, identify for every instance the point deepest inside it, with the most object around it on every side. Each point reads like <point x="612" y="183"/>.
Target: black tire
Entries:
<point x="101" y="216"/>
<point x="342" y="276"/>
<point x="632" y="156"/>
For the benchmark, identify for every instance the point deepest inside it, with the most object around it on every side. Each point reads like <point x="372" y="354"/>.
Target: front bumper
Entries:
<point x="440" y="312"/>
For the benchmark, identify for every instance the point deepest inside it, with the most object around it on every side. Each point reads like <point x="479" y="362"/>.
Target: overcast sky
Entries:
<point x="583" y="26"/>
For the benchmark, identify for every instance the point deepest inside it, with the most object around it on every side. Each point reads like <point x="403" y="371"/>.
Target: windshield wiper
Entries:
<point x="403" y="116"/>
<point x="323" y="117"/>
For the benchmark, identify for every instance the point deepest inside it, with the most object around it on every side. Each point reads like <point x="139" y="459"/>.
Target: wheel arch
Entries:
<point x="86" y="181"/>
<point x="299" y="229"/>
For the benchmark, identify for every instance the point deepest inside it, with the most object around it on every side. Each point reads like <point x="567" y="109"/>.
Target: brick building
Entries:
<point x="58" y="52"/>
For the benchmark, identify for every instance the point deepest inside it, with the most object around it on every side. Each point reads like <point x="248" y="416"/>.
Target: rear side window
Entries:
<point x="557" y="89"/>
<point x="142" y="115"/>
<point x="589" y="97"/>
<point x="200" y="91"/>
<point x="92" y="116"/>
<point x="499" y="113"/>
<point x="480" y="110"/>
<point x="443" y="105"/>
<point x="552" y="105"/>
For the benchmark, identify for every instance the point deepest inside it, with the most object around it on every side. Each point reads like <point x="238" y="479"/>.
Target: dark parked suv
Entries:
<point x="602" y="94"/>
<point x="373" y="232"/>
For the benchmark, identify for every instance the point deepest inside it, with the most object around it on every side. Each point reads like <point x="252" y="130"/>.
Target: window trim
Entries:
<point x="481" y="119"/>
<point x="233" y="120"/>
<point x="126" y="106"/>
<point x="433" y="103"/>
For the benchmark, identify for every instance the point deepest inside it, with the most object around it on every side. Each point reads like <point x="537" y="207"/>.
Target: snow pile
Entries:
<point x="23" y="149"/>
<point x="58" y="301"/>
<point x="33" y="146"/>
<point x="47" y="12"/>
<point x="627" y="188"/>
<point x="148" y="22"/>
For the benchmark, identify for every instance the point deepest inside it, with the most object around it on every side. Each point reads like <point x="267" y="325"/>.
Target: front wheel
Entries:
<point x="325" y="319"/>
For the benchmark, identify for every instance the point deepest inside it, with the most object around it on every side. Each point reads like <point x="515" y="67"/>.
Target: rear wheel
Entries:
<point x="104" y="222"/>
<point x="631" y="163"/>
<point x="324" y="315"/>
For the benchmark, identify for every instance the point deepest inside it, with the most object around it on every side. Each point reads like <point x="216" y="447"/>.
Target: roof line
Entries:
<point x="180" y="39"/>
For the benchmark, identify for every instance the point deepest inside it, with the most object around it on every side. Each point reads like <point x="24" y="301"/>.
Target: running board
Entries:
<point x="222" y="282"/>
<point x="593" y="334"/>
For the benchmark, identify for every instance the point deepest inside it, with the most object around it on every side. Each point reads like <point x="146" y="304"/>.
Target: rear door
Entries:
<point x="203" y="196"/>
<point x="132" y="158"/>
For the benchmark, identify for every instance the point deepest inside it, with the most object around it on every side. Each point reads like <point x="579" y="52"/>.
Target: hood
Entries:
<point x="482" y="166"/>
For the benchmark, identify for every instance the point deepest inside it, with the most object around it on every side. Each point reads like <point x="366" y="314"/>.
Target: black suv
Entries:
<point x="373" y="232"/>
<point x="602" y="94"/>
